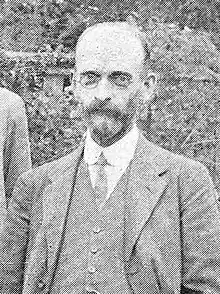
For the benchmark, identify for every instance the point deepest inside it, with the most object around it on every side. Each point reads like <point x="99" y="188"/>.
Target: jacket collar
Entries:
<point x="147" y="181"/>
<point x="66" y="164"/>
<point x="149" y="175"/>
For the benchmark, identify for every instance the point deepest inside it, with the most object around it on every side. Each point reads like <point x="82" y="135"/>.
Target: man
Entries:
<point x="14" y="145"/>
<point x="119" y="214"/>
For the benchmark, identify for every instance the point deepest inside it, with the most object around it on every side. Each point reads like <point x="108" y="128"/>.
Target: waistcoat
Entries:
<point x="92" y="254"/>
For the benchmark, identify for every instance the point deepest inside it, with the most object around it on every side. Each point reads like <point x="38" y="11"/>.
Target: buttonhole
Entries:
<point x="163" y="173"/>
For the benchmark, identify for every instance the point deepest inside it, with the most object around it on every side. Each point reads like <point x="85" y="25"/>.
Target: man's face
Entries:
<point x="108" y="65"/>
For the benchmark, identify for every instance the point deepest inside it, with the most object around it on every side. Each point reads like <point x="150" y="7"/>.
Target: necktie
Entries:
<point x="101" y="182"/>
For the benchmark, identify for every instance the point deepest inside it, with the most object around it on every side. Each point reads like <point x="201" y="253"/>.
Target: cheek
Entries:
<point x="121" y="98"/>
<point x="84" y="96"/>
<point x="128" y="99"/>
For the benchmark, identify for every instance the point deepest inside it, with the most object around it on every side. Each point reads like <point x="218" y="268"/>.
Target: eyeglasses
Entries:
<point x="90" y="80"/>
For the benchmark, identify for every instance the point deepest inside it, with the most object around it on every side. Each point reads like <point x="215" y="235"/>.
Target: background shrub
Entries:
<point x="184" y="42"/>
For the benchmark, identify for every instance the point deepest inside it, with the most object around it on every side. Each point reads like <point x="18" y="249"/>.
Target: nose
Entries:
<point x="103" y="90"/>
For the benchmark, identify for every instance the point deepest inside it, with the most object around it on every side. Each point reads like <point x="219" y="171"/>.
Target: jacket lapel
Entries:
<point x="57" y="198"/>
<point x="147" y="181"/>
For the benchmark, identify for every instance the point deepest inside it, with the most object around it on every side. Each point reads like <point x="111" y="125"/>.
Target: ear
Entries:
<point x="73" y="79"/>
<point x="73" y="87"/>
<point x="149" y="85"/>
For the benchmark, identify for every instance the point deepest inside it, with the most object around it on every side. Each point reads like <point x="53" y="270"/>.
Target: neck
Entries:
<point x="107" y="141"/>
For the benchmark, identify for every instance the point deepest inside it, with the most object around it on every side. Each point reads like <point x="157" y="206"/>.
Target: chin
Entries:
<point x="106" y="128"/>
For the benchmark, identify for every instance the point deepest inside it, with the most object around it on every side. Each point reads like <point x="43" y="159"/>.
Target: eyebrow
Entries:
<point x="121" y="73"/>
<point x="113" y="73"/>
<point x="86" y="72"/>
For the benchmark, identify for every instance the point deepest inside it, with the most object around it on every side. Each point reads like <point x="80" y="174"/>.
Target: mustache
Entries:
<point x="103" y="109"/>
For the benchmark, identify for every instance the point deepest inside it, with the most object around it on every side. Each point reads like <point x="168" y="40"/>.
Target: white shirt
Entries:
<point x="118" y="156"/>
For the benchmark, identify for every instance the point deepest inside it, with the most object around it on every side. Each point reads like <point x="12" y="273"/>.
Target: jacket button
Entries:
<point x="94" y="250"/>
<point x="96" y="230"/>
<point x="90" y="290"/>
<point x="91" y="269"/>
<point x="41" y="285"/>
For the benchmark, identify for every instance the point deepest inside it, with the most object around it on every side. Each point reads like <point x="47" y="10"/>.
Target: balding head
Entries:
<point x="110" y="84"/>
<point x="109" y="41"/>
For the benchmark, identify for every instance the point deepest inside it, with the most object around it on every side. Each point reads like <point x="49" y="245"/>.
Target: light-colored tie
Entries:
<point x="101" y="182"/>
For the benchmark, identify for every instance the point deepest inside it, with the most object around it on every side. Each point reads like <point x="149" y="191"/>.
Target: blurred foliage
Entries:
<point x="184" y="40"/>
<point x="54" y="130"/>
<point x="30" y="24"/>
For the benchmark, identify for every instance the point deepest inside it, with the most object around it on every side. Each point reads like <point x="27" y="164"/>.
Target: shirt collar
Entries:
<point x="118" y="154"/>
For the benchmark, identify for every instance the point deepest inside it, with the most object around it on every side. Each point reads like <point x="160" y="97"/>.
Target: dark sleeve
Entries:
<point x="17" y="157"/>
<point x="200" y="231"/>
<point x="14" y="238"/>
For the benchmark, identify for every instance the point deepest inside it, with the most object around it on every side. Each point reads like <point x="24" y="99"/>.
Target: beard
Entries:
<point x="107" y="121"/>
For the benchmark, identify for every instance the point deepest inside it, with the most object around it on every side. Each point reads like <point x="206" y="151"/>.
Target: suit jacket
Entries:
<point x="14" y="144"/>
<point x="173" y="238"/>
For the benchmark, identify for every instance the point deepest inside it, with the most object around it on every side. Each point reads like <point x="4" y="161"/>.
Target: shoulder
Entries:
<point x="176" y="163"/>
<point x="11" y="106"/>
<point x="52" y="170"/>
<point x="189" y="176"/>
<point x="10" y="99"/>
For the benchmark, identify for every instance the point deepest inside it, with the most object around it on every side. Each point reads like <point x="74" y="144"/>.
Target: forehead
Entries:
<point x="109" y="48"/>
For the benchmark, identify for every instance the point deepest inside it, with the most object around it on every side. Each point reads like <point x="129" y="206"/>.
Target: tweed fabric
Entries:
<point x="173" y="238"/>
<point x="14" y="145"/>
<point x="92" y="253"/>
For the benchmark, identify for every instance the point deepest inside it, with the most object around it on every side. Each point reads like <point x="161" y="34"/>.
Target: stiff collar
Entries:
<point x="118" y="154"/>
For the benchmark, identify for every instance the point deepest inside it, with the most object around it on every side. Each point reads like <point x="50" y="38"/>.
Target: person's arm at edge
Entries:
<point x="200" y="223"/>
<point x="17" y="158"/>
<point x="15" y="236"/>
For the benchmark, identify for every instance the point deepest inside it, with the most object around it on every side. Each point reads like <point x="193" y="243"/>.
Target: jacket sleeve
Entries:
<point x="14" y="238"/>
<point x="200" y="225"/>
<point x="17" y="157"/>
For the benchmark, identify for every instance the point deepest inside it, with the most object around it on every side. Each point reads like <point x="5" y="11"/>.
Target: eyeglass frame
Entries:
<point x="130" y="81"/>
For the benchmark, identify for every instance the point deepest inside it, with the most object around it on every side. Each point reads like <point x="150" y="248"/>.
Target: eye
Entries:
<point x="120" y="79"/>
<point x="89" y="79"/>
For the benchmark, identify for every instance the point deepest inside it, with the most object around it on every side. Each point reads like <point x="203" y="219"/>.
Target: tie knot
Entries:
<point x="102" y="161"/>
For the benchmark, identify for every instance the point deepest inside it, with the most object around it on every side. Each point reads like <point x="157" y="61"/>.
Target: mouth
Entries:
<point x="107" y="112"/>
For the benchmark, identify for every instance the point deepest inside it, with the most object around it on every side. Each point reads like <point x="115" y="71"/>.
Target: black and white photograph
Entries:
<point x="109" y="147"/>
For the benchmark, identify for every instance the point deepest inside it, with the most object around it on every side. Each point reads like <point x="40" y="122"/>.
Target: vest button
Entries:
<point x="94" y="250"/>
<point x="91" y="269"/>
<point x="41" y="285"/>
<point x="96" y="230"/>
<point x="91" y="290"/>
